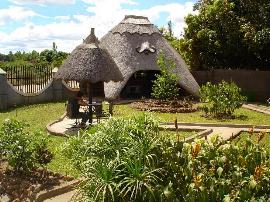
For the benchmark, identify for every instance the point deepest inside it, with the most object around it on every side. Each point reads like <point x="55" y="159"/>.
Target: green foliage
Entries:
<point x="228" y="34"/>
<point x="23" y="151"/>
<point x="171" y="38"/>
<point x="117" y="160"/>
<point x="221" y="100"/>
<point x="217" y="171"/>
<point x="127" y="160"/>
<point x="165" y="87"/>
<point x="52" y="57"/>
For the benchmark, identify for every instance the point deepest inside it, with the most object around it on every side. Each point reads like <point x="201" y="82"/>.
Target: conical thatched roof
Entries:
<point x="88" y="62"/>
<point x="135" y="44"/>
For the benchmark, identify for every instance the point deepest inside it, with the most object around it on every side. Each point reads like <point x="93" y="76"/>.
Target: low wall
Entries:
<point x="254" y="84"/>
<point x="55" y="91"/>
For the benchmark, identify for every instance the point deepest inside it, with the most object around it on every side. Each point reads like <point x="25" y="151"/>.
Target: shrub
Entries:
<point x="22" y="150"/>
<point x="127" y="160"/>
<point x="221" y="99"/>
<point x="117" y="160"/>
<point x="165" y="87"/>
<point x="218" y="170"/>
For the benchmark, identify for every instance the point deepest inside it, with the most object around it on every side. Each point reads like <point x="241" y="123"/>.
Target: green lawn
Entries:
<point x="242" y="116"/>
<point x="39" y="115"/>
<point x="173" y="135"/>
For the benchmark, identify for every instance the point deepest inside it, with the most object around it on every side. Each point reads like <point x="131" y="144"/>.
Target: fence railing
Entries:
<point x="29" y="79"/>
<point x="32" y="79"/>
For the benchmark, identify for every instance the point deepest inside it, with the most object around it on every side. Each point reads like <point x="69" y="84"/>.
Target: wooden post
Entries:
<point x="3" y="90"/>
<point x="90" y="91"/>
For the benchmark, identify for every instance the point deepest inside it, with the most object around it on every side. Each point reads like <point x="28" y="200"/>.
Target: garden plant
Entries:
<point x="221" y="100"/>
<point x="165" y="87"/>
<point x="128" y="160"/>
<point x="23" y="151"/>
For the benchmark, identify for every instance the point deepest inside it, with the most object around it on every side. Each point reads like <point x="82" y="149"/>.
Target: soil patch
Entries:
<point x="22" y="187"/>
<point x="172" y="106"/>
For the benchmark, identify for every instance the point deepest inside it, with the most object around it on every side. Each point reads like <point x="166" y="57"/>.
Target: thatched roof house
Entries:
<point x="89" y="63"/>
<point x="134" y="44"/>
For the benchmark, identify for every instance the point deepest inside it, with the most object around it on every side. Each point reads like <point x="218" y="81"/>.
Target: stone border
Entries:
<point x="202" y="133"/>
<point x="39" y="196"/>
<point x="220" y="125"/>
<point x="255" y="108"/>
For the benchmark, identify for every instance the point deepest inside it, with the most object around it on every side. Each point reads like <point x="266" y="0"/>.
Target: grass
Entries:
<point x="173" y="135"/>
<point x="39" y="115"/>
<point x="265" y="142"/>
<point x="242" y="116"/>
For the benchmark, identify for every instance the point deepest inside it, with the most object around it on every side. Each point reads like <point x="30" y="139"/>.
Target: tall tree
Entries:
<point x="228" y="34"/>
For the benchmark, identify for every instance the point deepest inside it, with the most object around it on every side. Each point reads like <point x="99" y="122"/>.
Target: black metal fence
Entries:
<point x="32" y="79"/>
<point x="29" y="79"/>
<point x="73" y="84"/>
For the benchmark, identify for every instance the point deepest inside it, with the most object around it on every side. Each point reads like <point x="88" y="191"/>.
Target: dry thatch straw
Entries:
<point x="137" y="33"/>
<point x="88" y="62"/>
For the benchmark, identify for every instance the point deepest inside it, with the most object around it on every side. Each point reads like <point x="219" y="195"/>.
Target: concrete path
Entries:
<point x="66" y="126"/>
<point x="226" y="131"/>
<point x="254" y="107"/>
<point x="66" y="197"/>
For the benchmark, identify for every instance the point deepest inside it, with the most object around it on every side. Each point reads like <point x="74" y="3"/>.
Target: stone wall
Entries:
<point x="254" y="84"/>
<point x="55" y="91"/>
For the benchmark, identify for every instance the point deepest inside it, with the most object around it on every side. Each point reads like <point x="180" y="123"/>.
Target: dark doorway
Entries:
<point x="139" y="85"/>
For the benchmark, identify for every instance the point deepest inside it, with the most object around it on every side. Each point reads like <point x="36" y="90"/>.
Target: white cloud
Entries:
<point x="15" y="13"/>
<point x="69" y="31"/>
<point x="62" y="18"/>
<point x="43" y="2"/>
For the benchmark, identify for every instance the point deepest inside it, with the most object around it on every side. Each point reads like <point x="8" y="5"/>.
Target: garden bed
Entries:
<point x="25" y="187"/>
<point x="263" y="138"/>
<point x="172" y="106"/>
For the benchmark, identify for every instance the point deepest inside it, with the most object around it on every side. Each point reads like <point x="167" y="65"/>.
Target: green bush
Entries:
<point x="128" y="160"/>
<point x="165" y="87"/>
<point x="221" y="100"/>
<point x="23" y="151"/>
<point x="117" y="160"/>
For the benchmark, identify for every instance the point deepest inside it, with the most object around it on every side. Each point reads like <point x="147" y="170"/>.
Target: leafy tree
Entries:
<point x="165" y="87"/>
<point x="46" y="57"/>
<point x="171" y="38"/>
<point x="221" y="100"/>
<point x="228" y="34"/>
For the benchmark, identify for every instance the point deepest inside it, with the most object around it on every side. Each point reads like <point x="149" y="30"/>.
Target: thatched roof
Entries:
<point x="88" y="62"/>
<point x="126" y="44"/>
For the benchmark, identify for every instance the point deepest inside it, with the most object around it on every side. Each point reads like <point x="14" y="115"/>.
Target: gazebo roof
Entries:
<point x="88" y="62"/>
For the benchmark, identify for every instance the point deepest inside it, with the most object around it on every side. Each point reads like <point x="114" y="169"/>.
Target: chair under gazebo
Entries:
<point x="91" y="66"/>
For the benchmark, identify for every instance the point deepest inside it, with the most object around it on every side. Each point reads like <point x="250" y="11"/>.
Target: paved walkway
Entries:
<point x="66" y="197"/>
<point x="254" y="107"/>
<point x="226" y="131"/>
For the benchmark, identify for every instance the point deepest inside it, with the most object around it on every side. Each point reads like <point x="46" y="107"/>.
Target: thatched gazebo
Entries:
<point x="90" y="65"/>
<point x="134" y="44"/>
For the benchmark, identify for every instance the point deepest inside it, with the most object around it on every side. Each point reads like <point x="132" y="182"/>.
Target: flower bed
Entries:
<point x="172" y="106"/>
<point x="23" y="187"/>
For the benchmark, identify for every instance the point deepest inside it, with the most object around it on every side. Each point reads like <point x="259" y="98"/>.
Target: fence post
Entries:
<point x="57" y="87"/>
<point x="3" y="90"/>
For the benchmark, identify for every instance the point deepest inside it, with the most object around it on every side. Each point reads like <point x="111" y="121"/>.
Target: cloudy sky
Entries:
<point x="28" y="25"/>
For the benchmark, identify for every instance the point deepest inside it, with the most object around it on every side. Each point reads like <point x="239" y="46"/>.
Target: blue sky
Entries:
<point x="27" y="25"/>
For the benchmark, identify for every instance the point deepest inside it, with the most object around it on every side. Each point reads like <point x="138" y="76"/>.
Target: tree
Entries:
<point x="228" y="34"/>
<point x="165" y="87"/>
